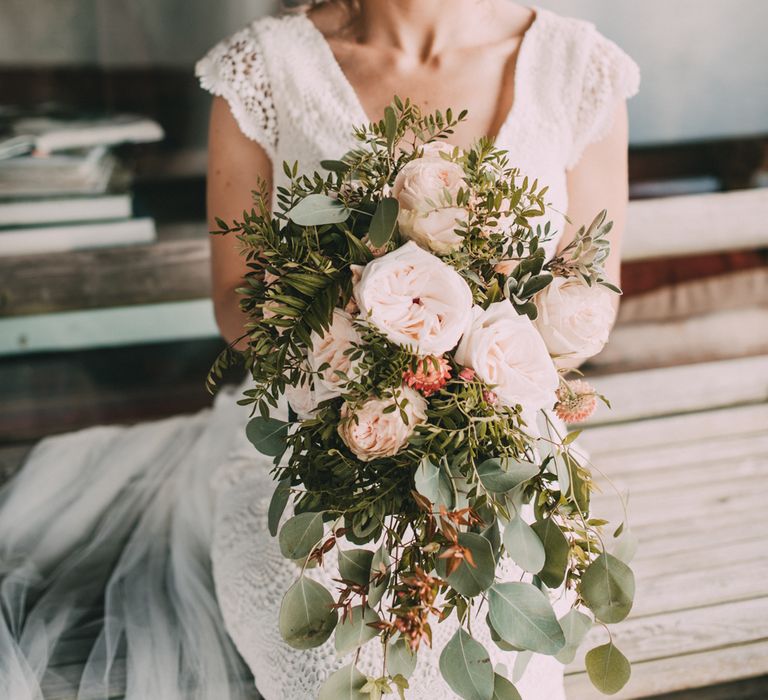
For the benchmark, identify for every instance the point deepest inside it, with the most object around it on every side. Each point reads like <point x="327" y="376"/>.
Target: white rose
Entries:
<point x="304" y="400"/>
<point x="574" y="319"/>
<point x="415" y="300"/>
<point x="433" y="149"/>
<point x="331" y="350"/>
<point x="426" y="190"/>
<point x="377" y="434"/>
<point x="506" y="351"/>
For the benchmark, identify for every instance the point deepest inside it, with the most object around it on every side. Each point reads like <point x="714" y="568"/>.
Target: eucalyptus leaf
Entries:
<point x="608" y="669"/>
<point x="624" y="546"/>
<point x="497" y="640"/>
<point x="277" y="505"/>
<point x="355" y="565"/>
<point x="575" y="626"/>
<point x="502" y="475"/>
<point x="467" y="579"/>
<point x="524" y="546"/>
<point x="556" y="550"/>
<point x="390" y="126"/>
<point x="307" y="617"/>
<point x="523" y="616"/>
<point x="376" y="591"/>
<point x="522" y="660"/>
<point x="608" y="588"/>
<point x="383" y="222"/>
<point x="267" y="435"/>
<point x="355" y="630"/>
<point x="503" y="689"/>
<point x="432" y="482"/>
<point x="344" y="684"/>
<point x="466" y="667"/>
<point x="300" y="534"/>
<point x="318" y="210"/>
<point x="400" y="659"/>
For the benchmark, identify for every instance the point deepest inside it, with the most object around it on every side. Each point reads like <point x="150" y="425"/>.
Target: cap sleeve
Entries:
<point x="235" y="69"/>
<point x="608" y="75"/>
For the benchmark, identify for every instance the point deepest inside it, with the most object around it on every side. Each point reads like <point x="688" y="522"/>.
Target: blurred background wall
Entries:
<point x="708" y="81"/>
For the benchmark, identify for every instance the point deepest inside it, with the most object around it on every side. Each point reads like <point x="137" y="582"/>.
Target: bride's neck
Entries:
<point x="425" y="28"/>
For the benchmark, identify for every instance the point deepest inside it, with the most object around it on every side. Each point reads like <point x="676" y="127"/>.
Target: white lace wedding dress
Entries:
<point x="167" y="520"/>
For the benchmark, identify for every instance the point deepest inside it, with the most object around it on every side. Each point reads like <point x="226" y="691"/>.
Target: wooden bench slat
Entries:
<point x="675" y="430"/>
<point x="683" y="632"/>
<point x="684" y="389"/>
<point x="694" y="670"/>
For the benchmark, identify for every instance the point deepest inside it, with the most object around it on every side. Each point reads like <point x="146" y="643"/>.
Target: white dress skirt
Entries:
<point x="165" y="522"/>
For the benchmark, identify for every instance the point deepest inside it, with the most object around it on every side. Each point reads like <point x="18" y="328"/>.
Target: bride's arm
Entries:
<point x="599" y="181"/>
<point x="235" y="163"/>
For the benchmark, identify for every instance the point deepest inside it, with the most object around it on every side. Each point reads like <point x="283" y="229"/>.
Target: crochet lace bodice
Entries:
<point x="287" y="92"/>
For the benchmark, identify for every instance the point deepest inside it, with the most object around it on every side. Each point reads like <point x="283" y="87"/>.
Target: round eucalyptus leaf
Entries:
<point x="503" y="689"/>
<point x="380" y="559"/>
<point x="608" y="669"/>
<point x="432" y="482"/>
<point x="575" y="626"/>
<point x="355" y="630"/>
<point x="318" y="210"/>
<point x="300" y="534"/>
<point x="624" y="546"/>
<point x="467" y="579"/>
<point x="522" y="660"/>
<point x="307" y="617"/>
<point x="277" y="505"/>
<point x="355" y="565"/>
<point x="267" y="435"/>
<point x="492" y="533"/>
<point x="345" y="684"/>
<point x="497" y="640"/>
<point x="383" y="222"/>
<point x="500" y="475"/>
<point x="524" y="546"/>
<point x="467" y="668"/>
<point x="400" y="659"/>
<point x="608" y="588"/>
<point x="523" y="616"/>
<point x="556" y="552"/>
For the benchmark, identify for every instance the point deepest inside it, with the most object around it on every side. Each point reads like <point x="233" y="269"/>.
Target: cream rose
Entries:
<point x="506" y="351"/>
<point x="574" y="319"/>
<point x="370" y="433"/>
<point x="415" y="300"/>
<point x="331" y="351"/>
<point x="426" y="190"/>
<point x="304" y="399"/>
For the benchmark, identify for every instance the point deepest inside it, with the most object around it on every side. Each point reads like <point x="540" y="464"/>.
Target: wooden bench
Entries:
<point x="690" y="447"/>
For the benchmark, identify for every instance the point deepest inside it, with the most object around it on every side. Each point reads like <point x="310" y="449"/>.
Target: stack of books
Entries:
<point x="62" y="187"/>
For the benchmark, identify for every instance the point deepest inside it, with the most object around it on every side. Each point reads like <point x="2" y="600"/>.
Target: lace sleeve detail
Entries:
<point x="235" y="70"/>
<point x="609" y="75"/>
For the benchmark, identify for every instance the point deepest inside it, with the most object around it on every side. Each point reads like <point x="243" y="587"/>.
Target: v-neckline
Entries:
<point x="361" y="116"/>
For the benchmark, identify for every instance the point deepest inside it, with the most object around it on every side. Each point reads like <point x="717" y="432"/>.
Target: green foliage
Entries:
<point x="300" y="534"/>
<point x="467" y="579"/>
<point x="608" y="668"/>
<point x="503" y="689"/>
<point x="345" y="684"/>
<point x="355" y="565"/>
<point x="522" y="616"/>
<point x="277" y="505"/>
<point x="608" y="588"/>
<point x="575" y="626"/>
<point x="355" y="630"/>
<point x="502" y="475"/>
<point x="400" y="659"/>
<point x="466" y="667"/>
<point x="524" y="546"/>
<point x="268" y="435"/>
<point x="556" y="549"/>
<point x="307" y="617"/>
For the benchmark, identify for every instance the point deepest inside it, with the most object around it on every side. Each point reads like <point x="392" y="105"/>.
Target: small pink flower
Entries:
<point x="467" y="374"/>
<point x="490" y="397"/>
<point x="430" y="375"/>
<point x="576" y="401"/>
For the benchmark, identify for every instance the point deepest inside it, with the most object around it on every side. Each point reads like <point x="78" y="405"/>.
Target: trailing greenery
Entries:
<point x="428" y="524"/>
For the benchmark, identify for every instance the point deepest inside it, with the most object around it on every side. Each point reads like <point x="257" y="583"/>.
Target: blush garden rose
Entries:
<point x="415" y="300"/>
<point x="507" y="352"/>
<point x="370" y="432"/>
<point x="331" y="352"/>
<point x="574" y="320"/>
<point x="426" y="189"/>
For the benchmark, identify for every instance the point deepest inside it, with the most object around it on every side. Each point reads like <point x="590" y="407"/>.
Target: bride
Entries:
<point x="163" y="524"/>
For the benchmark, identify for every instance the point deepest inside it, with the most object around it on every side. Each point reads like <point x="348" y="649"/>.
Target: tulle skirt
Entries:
<point x="118" y="519"/>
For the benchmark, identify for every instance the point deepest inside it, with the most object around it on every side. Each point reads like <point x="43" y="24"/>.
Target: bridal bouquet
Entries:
<point x="404" y="304"/>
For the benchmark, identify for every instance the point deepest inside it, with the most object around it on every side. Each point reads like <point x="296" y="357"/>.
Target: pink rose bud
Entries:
<point x="467" y="374"/>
